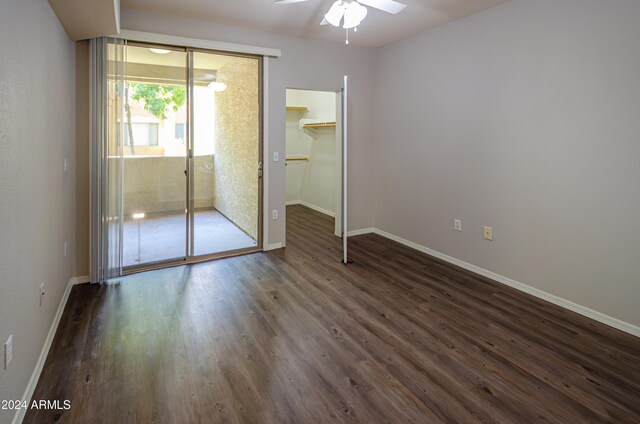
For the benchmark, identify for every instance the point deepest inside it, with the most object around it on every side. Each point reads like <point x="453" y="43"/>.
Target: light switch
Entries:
<point x="276" y="156"/>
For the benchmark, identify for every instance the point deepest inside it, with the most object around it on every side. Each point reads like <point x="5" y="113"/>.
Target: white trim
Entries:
<point x="556" y="300"/>
<point x="360" y="232"/>
<point x="117" y="8"/>
<point x="266" y="154"/>
<point x="318" y="209"/>
<point x="272" y="246"/>
<point x="35" y="376"/>
<point x="80" y="280"/>
<point x="174" y="40"/>
<point x="311" y="206"/>
<point x="337" y="168"/>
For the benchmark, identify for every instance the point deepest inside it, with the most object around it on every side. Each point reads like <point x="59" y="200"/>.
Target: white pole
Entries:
<point x="345" y="173"/>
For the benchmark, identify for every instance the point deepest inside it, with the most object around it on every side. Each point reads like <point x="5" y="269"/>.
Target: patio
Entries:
<point x="162" y="237"/>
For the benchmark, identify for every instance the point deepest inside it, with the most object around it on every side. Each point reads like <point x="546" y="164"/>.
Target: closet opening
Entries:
<point x="314" y="160"/>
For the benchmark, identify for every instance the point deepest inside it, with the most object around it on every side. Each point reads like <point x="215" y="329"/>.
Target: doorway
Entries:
<point x="192" y="155"/>
<point x="314" y="153"/>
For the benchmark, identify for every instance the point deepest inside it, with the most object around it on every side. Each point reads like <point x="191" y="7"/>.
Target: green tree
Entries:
<point x="158" y="100"/>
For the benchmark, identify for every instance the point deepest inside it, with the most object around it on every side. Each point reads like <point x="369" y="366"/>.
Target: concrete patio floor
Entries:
<point x="162" y="237"/>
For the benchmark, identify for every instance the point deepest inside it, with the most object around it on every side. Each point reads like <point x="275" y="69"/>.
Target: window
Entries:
<point x="144" y="134"/>
<point x="179" y="132"/>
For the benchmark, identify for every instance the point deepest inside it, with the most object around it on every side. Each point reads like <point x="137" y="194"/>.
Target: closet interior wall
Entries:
<point x="311" y="152"/>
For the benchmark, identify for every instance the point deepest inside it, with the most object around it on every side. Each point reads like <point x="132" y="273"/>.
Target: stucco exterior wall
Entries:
<point x="158" y="184"/>
<point x="237" y="144"/>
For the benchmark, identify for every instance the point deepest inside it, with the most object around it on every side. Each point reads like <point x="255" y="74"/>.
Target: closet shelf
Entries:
<point x="297" y="108"/>
<point x="320" y="125"/>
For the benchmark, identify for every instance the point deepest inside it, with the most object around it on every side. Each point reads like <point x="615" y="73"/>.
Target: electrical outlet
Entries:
<point x="274" y="214"/>
<point x="276" y="156"/>
<point x="488" y="233"/>
<point x="66" y="248"/>
<point x="8" y="351"/>
<point x="457" y="225"/>
<point x="41" y="293"/>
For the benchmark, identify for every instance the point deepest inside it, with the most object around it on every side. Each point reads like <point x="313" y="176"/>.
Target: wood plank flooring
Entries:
<point x="294" y="336"/>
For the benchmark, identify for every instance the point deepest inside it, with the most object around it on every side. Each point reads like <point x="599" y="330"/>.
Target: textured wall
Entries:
<point x="525" y="118"/>
<point x="158" y="184"/>
<point x="237" y="144"/>
<point x="37" y="125"/>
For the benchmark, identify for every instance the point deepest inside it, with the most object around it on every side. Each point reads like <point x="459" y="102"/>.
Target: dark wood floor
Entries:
<point x="295" y="336"/>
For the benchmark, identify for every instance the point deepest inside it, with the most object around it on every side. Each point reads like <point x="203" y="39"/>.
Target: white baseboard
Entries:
<point x="360" y="232"/>
<point x="80" y="280"/>
<point x="556" y="300"/>
<point x="35" y="376"/>
<point x="311" y="206"/>
<point x="272" y="246"/>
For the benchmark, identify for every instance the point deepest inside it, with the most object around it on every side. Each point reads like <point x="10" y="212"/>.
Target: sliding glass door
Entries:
<point x="190" y="135"/>
<point x="155" y="155"/>
<point x="226" y="158"/>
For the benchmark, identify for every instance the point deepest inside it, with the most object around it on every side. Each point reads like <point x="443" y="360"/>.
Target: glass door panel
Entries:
<point x="155" y="161"/>
<point x="225" y="158"/>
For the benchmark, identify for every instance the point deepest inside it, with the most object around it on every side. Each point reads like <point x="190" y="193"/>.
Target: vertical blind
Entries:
<point x="107" y="166"/>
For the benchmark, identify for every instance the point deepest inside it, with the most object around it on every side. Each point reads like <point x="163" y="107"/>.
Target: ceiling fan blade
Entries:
<point x="288" y="1"/>
<point x="324" y="21"/>
<point x="335" y="14"/>
<point x="389" y="6"/>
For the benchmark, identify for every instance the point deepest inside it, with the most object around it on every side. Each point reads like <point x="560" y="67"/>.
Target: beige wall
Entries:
<point x="156" y="184"/>
<point x="523" y="117"/>
<point x="237" y="142"/>
<point x="143" y="151"/>
<point x="37" y="131"/>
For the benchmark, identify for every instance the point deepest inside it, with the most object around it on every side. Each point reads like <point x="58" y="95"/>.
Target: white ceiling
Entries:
<point x="303" y="19"/>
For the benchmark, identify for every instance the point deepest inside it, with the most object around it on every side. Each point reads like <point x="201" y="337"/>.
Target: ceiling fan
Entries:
<point x="353" y="11"/>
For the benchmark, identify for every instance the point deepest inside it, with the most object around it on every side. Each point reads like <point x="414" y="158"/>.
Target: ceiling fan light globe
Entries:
<point x="334" y="15"/>
<point x="354" y="14"/>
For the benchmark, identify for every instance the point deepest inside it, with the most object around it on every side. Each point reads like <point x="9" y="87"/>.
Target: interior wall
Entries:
<point x="237" y="144"/>
<point x="311" y="182"/>
<point x="523" y="117"/>
<point x="321" y="105"/>
<point x="312" y="64"/>
<point x="37" y="126"/>
<point x="298" y="144"/>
